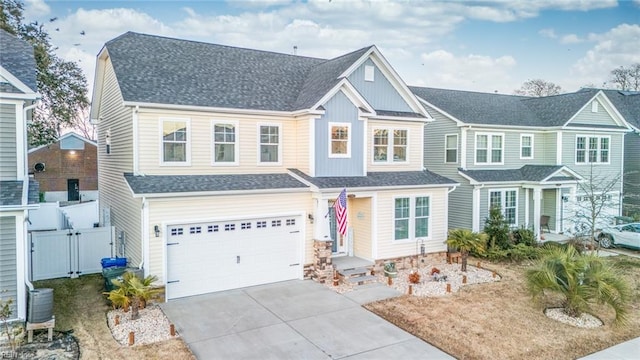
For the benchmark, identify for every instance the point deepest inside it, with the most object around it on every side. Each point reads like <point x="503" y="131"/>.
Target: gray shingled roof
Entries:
<point x="11" y="192"/>
<point x="627" y="103"/>
<point x="399" y="113"/>
<point x="16" y="56"/>
<point x="534" y="173"/>
<point x="499" y="109"/>
<point x="154" y="69"/>
<point x="163" y="184"/>
<point x="377" y="179"/>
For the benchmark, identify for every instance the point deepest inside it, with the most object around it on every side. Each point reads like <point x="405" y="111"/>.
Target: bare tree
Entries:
<point x="538" y="88"/>
<point x="82" y="125"/>
<point x="597" y="203"/>
<point x="626" y="78"/>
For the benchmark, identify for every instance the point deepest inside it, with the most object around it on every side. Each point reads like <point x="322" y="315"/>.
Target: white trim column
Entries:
<point x="527" y="194"/>
<point x="558" y="226"/>
<point x="321" y="222"/>
<point x="475" y="217"/>
<point x="537" y="197"/>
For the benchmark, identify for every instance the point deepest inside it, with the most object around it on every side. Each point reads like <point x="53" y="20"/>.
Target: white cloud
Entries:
<point x="614" y="48"/>
<point x="35" y="8"/>
<point x="571" y="39"/>
<point x="469" y="72"/>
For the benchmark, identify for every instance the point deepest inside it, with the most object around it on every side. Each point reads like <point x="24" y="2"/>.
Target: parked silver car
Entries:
<point x="627" y="235"/>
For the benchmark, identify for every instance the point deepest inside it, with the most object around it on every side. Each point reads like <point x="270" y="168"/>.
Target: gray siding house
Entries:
<point x="17" y="193"/>
<point x="628" y="103"/>
<point x="525" y="155"/>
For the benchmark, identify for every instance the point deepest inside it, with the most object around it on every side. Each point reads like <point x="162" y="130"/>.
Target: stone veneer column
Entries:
<point x="322" y="264"/>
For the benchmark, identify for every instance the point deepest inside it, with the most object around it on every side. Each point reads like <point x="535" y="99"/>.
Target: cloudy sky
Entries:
<point x="470" y="45"/>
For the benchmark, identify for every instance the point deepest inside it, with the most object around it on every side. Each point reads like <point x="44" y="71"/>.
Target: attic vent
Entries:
<point x="368" y="73"/>
<point x="594" y="106"/>
<point x="39" y="167"/>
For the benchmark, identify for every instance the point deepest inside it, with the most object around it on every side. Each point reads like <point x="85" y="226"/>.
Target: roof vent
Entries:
<point x="39" y="167"/>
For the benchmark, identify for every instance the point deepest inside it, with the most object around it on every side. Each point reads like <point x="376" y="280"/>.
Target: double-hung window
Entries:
<point x="175" y="141"/>
<point x="507" y="202"/>
<point x="411" y="217"/>
<point x="390" y="145"/>
<point x="592" y="149"/>
<point x="526" y="146"/>
<point x="225" y="143"/>
<point x="270" y="143"/>
<point x="339" y="140"/>
<point x="489" y="148"/>
<point x="451" y="148"/>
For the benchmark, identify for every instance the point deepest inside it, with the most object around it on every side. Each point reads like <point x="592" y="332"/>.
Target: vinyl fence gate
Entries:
<point x="70" y="252"/>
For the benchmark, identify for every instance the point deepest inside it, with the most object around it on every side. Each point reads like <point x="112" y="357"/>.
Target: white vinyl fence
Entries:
<point x="69" y="253"/>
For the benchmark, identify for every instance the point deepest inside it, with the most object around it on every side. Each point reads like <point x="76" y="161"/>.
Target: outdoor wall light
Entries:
<point x="310" y="217"/>
<point x="156" y="229"/>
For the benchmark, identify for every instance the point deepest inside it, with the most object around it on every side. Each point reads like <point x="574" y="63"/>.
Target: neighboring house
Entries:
<point x="525" y="155"/>
<point x="66" y="170"/>
<point x="219" y="166"/>
<point x="628" y="103"/>
<point x="18" y="193"/>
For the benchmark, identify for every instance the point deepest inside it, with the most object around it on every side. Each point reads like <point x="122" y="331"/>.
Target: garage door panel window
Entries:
<point x="212" y="228"/>
<point x="176" y="231"/>
<point x="195" y="230"/>
<point x="261" y="224"/>
<point x="411" y="217"/>
<point x="229" y="227"/>
<point x="276" y="223"/>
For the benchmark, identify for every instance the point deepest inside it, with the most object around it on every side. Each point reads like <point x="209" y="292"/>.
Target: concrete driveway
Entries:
<point x="292" y="320"/>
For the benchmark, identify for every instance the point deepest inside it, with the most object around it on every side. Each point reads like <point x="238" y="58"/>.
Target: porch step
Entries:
<point x="359" y="275"/>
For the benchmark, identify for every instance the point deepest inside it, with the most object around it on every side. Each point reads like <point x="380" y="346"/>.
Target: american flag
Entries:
<point x="341" y="212"/>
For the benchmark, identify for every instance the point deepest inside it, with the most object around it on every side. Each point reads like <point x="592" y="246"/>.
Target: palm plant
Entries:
<point x="581" y="279"/>
<point x="134" y="291"/>
<point x="466" y="240"/>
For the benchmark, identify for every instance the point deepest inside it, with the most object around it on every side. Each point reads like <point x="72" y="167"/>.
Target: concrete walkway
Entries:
<point x="629" y="350"/>
<point x="293" y="320"/>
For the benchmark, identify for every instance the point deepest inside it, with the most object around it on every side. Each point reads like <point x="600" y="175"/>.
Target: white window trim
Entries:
<point x="412" y="218"/>
<point x="350" y="135"/>
<point x="446" y="148"/>
<point x="236" y="149"/>
<point x="489" y="148"/>
<point x="502" y="200"/>
<point x="586" y="155"/>
<point x="369" y="73"/>
<point x="532" y="144"/>
<point x="390" y="146"/>
<point x="275" y="163"/>
<point x="161" y="145"/>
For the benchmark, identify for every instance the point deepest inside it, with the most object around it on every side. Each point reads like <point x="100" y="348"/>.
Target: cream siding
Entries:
<point x="200" y="142"/>
<point x="114" y="192"/>
<point x="414" y="151"/>
<point x="302" y="144"/>
<point x="183" y="210"/>
<point x="389" y="248"/>
<point x="360" y="220"/>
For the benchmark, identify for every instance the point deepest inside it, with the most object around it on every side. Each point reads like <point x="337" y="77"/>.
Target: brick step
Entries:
<point x="360" y="280"/>
<point x="351" y="272"/>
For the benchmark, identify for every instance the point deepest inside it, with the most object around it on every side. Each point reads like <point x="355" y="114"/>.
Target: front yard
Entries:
<point x="500" y="321"/>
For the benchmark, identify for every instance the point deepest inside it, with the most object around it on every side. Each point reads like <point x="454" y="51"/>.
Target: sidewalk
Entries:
<point x="627" y="350"/>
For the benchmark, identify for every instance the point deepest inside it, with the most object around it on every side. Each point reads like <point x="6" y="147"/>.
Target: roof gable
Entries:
<point x="72" y="137"/>
<point x="628" y="105"/>
<point x="17" y="64"/>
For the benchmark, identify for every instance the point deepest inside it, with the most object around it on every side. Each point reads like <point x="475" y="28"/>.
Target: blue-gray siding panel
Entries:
<point x="587" y="117"/>
<point x="460" y="211"/>
<point x="632" y="173"/>
<point x="8" y="276"/>
<point x="8" y="154"/>
<point x="379" y="93"/>
<point x="339" y="109"/>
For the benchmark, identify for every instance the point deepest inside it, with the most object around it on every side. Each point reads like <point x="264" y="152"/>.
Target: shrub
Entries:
<point x="497" y="229"/>
<point x="524" y="236"/>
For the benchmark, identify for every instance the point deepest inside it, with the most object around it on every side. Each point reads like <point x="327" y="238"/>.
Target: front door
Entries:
<point x="339" y="242"/>
<point x="73" y="189"/>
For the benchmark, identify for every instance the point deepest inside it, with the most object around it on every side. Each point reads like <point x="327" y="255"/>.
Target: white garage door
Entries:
<point x="215" y="256"/>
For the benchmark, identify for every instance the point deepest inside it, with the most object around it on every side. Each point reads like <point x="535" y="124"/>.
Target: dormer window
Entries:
<point x="369" y="73"/>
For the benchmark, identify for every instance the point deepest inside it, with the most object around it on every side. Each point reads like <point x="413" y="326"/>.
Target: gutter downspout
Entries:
<point x="25" y="195"/>
<point x="452" y="188"/>
<point x="145" y="232"/>
<point x="134" y="120"/>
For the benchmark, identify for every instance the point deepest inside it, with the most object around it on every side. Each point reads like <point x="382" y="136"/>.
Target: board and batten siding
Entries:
<point x="8" y="261"/>
<point x="339" y="109"/>
<point x="389" y="248"/>
<point x="632" y="172"/>
<point x="588" y="117"/>
<point x="8" y="144"/>
<point x="600" y="171"/>
<point x="414" y="148"/>
<point x="380" y="93"/>
<point x="200" y="142"/>
<point x="113" y="191"/>
<point x="186" y="210"/>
